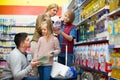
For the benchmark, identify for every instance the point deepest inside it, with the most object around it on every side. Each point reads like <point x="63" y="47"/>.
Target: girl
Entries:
<point x="47" y="44"/>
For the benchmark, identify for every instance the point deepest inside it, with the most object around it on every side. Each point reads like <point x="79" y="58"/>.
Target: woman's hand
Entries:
<point x="55" y="28"/>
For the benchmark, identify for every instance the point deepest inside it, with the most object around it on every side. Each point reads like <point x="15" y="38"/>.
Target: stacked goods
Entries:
<point x="115" y="60"/>
<point x="92" y="7"/>
<point x="114" y="4"/>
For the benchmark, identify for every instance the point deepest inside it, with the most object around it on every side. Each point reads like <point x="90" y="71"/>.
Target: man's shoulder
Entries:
<point x="15" y="51"/>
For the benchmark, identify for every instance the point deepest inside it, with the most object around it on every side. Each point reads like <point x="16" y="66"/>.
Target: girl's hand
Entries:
<point x="50" y="55"/>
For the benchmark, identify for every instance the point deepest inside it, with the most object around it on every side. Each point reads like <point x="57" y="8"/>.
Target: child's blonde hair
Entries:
<point x="49" y="26"/>
<point x="71" y="15"/>
<point x="51" y="6"/>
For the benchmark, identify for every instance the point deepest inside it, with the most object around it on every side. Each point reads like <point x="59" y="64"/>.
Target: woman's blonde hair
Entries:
<point x="51" y="6"/>
<point x="49" y="26"/>
<point x="71" y="15"/>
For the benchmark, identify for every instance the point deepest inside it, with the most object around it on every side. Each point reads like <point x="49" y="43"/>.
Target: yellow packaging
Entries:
<point x="115" y="26"/>
<point x="88" y="9"/>
<point x="112" y="60"/>
<point x="113" y="73"/>
<point x="118" y="23"/>
<point x="102" y="3"/>
<point x="114" y="4"/>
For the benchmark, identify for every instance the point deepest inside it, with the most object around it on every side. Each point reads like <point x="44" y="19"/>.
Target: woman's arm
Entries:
<point x="37" y="49"/>
<point x="56" y="47"/>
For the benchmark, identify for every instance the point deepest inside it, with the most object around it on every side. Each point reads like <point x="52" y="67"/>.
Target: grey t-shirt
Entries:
<point x="17" y="66"/>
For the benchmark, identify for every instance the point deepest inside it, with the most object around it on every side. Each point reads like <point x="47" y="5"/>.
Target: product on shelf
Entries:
<point x="114" y="4"/>
<point x="98" y="19"/>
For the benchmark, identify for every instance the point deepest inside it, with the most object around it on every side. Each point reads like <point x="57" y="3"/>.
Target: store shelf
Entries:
<point x="113" y="79"/>
<point x="6" y="40"/>
<point x="8" y="46"/>
<point x="114" y="46"/>
<point x="98" y="18"/>
<point x="84" y="3"/>
<point x="98" y="71"/>
<point x="114" y="12"/>
<point x="2" y="60"/>
<point x="71" y="5"/>
<point x="96" y="40"/>
<point x="24" y="26"/>
<point x="104" y="8"/>
<point x="102" y="18"/>
<point x="16" y="33"/>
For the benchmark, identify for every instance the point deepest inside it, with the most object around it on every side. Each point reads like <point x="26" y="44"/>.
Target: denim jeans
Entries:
<point x="61" y="59"/>
<point x="31" y="78"/>
<point x="44" y="72"/>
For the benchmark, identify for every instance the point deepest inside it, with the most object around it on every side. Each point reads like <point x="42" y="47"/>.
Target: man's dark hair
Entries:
<point x="20" y="37"/>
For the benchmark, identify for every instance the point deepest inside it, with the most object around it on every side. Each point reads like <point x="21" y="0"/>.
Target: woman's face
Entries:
<point x="53" y="12"/>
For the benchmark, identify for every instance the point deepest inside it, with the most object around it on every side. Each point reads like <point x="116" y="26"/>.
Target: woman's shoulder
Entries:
<point x="41" y="38"/>
<point x="44" y="14"/>
<point x="40" y="15"/>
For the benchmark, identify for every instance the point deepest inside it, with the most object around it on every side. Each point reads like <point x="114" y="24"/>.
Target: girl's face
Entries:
<point x="44" y="29"/>
<point x="53" y="12"/>
<point x="66" y="18"/>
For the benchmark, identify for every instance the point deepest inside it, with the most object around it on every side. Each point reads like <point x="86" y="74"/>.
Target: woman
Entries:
<point x="51" y="11"/>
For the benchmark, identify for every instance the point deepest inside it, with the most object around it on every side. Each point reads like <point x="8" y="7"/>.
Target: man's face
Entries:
<point x="27" y="42"/>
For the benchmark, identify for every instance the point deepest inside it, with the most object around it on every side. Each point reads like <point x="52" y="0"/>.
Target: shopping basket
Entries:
<point x="65" y="66"/>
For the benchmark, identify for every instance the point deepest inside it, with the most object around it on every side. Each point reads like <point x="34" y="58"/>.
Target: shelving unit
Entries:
<point x="86" y="19"/>
<point x="96" y="40"/>
<point x="71" y="4"/>
<point x="83" y="47"/>
<point x="7" y="38"/>
<point x="84" y="3"/>
<point x="114" y="12"/>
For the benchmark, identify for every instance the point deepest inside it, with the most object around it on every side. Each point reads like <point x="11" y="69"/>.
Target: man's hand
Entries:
<point x="34" y="63"/>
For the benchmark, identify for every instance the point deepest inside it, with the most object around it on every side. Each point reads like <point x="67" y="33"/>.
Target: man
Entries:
<point x="17" y="67"/>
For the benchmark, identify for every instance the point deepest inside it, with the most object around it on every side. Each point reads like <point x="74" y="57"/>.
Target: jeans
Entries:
<point x="31" y="78"/>
<point x="61" y="59"/>
<point x="44" y="72"/>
